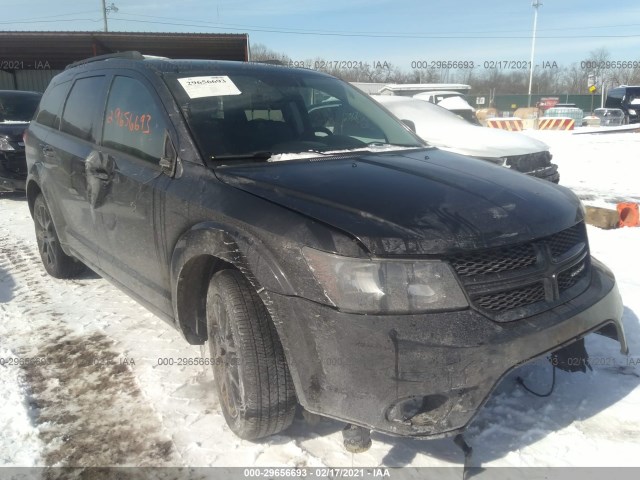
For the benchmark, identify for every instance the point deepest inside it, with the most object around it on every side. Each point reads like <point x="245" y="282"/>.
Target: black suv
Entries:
<point x="16" y="111"/>
<point x="333" y="261"/>
<point x="626" y="98"/>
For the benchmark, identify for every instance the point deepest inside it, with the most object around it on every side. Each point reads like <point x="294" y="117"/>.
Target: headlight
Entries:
<point x="632" y="112"/>
<point x="385" y="286"/>
<point x="5" y="146"/>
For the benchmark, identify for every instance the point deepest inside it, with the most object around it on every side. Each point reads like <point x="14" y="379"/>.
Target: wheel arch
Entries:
<point x="202" y="251"/>
<point x="32" y="190"/>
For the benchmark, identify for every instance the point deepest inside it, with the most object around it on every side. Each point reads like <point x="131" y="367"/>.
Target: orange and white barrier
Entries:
<point x="556" y="123"/>
<point x="512" y="124"/>
<point x="629" y="216"/>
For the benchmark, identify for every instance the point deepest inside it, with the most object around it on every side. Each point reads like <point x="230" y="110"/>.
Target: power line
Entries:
<point x="21" y="20"/>
<point x="351" y="32"/>
<point x="56" y="21"/>
<point x="293" y="31"/>
<point x="362" y="35"/>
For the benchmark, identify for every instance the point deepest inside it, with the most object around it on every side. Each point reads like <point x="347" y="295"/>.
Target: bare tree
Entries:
<point x="261" y="53"/>
<point x="572" y="79"/>
<point x="597" y="64"/>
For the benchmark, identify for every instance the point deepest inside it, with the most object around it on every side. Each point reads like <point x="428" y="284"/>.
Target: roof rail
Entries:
<point x="129" y="55"/>
<point x="274" y="61"/>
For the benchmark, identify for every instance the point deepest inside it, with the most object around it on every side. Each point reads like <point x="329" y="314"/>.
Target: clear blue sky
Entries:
<point x="368" y="30"/>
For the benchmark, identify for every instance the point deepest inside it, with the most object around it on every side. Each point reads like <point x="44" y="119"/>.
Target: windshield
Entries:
<point x="281" y="112"/>
<point x="608" y="112"/>
<point x="18" y="106"/>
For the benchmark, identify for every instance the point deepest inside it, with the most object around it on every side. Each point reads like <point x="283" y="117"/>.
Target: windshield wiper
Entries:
<point x="242" y="156"/>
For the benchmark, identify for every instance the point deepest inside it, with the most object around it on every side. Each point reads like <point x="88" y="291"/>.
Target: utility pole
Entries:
<point x="107" y="9"/>
<point x="535" y="4"/>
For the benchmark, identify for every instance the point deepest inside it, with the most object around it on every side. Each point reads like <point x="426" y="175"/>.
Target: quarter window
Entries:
<point x="80" y="110"/>
<point x="51" y="106"/>
<point x="133" y="121"/>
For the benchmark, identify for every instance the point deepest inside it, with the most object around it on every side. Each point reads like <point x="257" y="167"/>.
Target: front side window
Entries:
<point x="134" y="122"/>
<point x="79" y="114"/>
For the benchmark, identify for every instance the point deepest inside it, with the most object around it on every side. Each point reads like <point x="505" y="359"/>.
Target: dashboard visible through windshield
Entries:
<point x="289" y="112"/>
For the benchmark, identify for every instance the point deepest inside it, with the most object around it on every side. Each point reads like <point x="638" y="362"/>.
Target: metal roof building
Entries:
<point x="28" y="60"/>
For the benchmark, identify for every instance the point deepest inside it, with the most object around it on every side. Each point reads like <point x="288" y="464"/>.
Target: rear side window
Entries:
<point x="80" y="110"/>
<point x="51" y="106"/>
<point x="134" y="122"/>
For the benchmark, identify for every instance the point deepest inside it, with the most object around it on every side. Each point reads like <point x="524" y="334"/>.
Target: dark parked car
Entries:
<point x="627" y="99"/>
<point x="16" y="110"/>
<point x="346" y="267"/>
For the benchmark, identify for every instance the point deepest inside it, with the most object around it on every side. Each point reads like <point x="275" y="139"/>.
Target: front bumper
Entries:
<point x="13" y="171"/>
<point x="425" y="375"/>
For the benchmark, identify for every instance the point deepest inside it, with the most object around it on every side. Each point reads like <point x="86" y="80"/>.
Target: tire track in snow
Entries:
<point x="90" y="411"/>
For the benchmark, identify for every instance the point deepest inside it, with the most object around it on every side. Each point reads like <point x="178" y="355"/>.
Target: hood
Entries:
<point x="413" y="202"/>
<point x="480" y="141"/>
<point x="455" y="103"/>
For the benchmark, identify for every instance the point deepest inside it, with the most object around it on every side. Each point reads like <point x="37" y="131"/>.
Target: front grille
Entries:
<point x="562" y="242"/>
<point x="571" y="276"/>
<point x="535" y="164"/>
<point x="529" y="162"/>
<point x="510" y="299"/>
<point x="513" y="282"/>
<point x="494" y="261"/>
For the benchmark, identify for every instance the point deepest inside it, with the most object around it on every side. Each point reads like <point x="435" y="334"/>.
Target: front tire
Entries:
<point x="57" y="263"/>
<point x="254" y="385"/>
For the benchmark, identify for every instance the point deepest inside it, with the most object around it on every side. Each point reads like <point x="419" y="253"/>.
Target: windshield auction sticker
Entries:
<point x="198" y="87"/>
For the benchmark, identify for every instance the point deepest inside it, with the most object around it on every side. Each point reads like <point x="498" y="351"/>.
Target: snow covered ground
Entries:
<point x="91" y="390"/>
<point x="601" y="168"/>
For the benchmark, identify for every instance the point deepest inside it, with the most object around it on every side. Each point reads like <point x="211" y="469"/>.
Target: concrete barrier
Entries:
<point x="604" y="218"/>
<point x="512" y="124"/>
<point x="556" y="123"/>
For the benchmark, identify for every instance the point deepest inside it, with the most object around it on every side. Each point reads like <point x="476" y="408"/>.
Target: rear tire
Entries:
<point x="57" y="263"/>
<point x="254" y="385"/>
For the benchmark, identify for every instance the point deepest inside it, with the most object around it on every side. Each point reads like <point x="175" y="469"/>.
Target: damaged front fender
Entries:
<point x="202" y="250"/>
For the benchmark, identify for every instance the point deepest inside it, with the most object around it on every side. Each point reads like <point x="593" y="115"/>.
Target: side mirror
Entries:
<point x="410" y="124"/>
<point x="169" y="157"/>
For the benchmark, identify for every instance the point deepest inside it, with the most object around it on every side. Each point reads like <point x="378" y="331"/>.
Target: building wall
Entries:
<point x="7" y="81"/>
<point x="34" y="80"/>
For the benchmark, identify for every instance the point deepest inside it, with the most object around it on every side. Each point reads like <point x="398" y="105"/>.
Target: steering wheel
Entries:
<point x="320" y="129"/>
